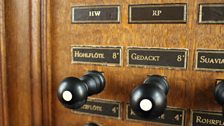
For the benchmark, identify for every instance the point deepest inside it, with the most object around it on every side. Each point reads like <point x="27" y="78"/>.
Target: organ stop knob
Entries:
<point x="219" y="94"/>
<point x="73" y="92"/>
<point x="149" y="99"/>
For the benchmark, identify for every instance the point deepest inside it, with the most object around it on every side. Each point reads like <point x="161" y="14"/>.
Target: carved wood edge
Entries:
<point x="35" y="58"/>
<point x="35" y="28"/>
<point x="46" y="61"/>
<point x="3" y="71"/>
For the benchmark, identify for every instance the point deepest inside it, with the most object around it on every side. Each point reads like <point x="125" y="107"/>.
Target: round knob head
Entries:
<point x="72" y="93"/>
<point x="148" y="101"/>
<point x="219" y="93"/>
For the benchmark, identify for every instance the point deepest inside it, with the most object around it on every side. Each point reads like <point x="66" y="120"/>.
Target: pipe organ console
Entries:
<point x="112" y="63"/>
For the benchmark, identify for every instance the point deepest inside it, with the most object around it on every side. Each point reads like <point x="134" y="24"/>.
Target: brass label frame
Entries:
<point x="203" y="112"/>
<point x="73" y="7"/>
<point x="105" y="101"/>
<point x="200" y="15"/>
<point x="215" y="51"/>
<point x="150" y="122"/>
<point x="184" y="20"/>
<point x="120" y="48"/>
<point x="185" y="50"/>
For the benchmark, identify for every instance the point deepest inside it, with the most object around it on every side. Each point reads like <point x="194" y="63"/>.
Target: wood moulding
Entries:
<point x="20" y="63"/>
<point x="3" y="80"/>
<point x="46" y="61"/>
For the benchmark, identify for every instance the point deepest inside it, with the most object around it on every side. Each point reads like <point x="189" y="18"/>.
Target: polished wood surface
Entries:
<point x="36" y="37"/>
<point x="189" y="89"/>
<point x="18" y="62"/>
<point x="3" y="82"/>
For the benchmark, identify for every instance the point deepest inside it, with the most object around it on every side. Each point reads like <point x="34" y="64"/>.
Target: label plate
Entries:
<point x="204" y="118"/>
<point x="210" y="60"/>
<point x="109" y="56"/>
<point x="158" y="13"/>
<point x="211" y="13"/>
<point x="96" y="14"/>
<point x="99" y="107"/>
<point x="171" y="116"/>
<point x="157" y="57"/>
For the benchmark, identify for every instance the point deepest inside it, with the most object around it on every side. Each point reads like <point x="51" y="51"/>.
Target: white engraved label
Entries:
<point x="94" y="13"/>
<point x="157" y="13"/>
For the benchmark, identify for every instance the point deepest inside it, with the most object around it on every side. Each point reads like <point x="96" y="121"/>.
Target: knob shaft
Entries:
<point x="149" y="99"/>
<point x="91" y="124"/>
<point x="73" y="92"/>
<point x="219" y="94"/>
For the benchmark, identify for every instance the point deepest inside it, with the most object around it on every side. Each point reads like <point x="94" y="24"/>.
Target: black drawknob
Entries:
<point x="73" y="92"/>
<point x="149" y="99"/>
<point x="219" y="94"/>
<point x="91" y="124"/>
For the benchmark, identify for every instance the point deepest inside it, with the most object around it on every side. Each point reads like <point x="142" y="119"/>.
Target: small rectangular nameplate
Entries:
<point x="211" y="13"/>
<point x="157" y="57"/>
<point x="210" y="60"/>
<point x="158" y="13"/>
<point x="110" y="56"/>
<point x="203" y="118"/>
<point x="99" y="107"/>
<point x="171" y="116"/>
<point x="96" y="14"/>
